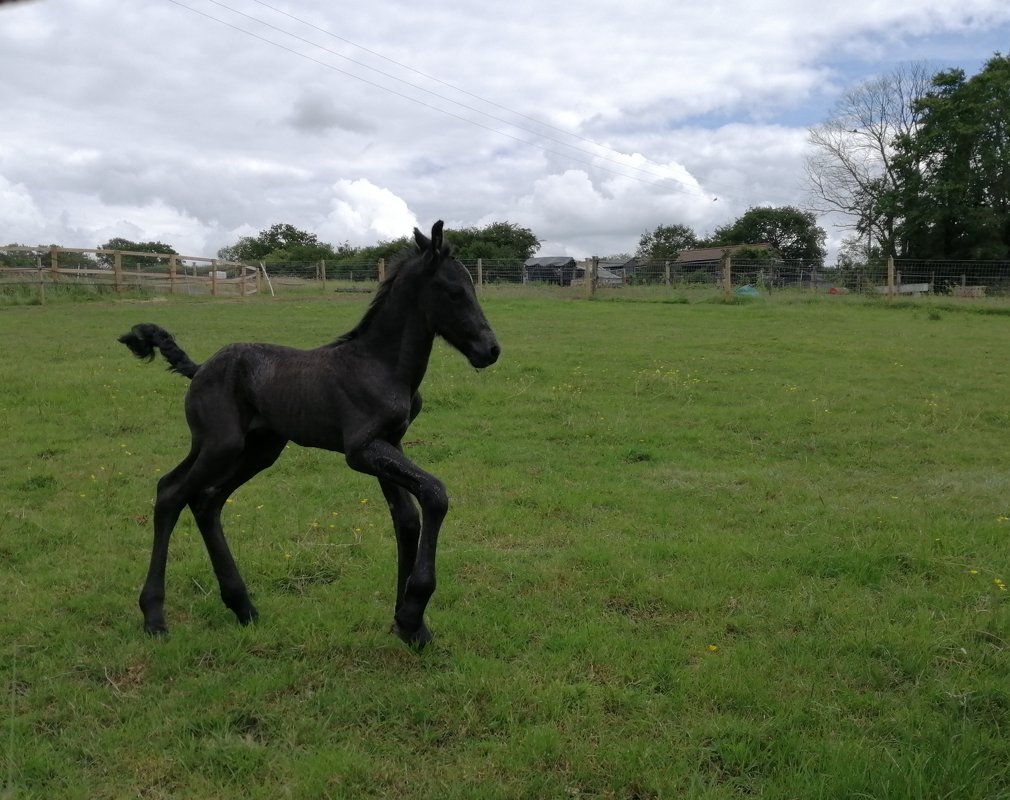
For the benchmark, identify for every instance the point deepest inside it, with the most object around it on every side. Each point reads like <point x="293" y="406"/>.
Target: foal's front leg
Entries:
<point x="407" y="528"/>
<point x="388" y="463"/>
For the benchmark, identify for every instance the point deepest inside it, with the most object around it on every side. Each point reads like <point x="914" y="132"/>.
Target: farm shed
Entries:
<point x="703" y="261"/>
<point x="550" y="269"/>
<point x="604" y="275"/>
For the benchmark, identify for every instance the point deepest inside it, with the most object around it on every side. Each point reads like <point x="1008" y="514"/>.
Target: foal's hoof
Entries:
<point x="159" y="629"/>
<point x="247" y="616"/>
<point x="416" y="639"/>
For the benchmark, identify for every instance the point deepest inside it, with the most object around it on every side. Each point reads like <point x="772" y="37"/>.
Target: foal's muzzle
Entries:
<point x="484" y="352"/>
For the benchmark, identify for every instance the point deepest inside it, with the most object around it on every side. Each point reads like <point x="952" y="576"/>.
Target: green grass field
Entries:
<point x="695" y="550"/>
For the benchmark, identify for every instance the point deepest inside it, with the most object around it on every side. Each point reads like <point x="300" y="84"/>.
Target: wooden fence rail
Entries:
<point x="122" y="270"/>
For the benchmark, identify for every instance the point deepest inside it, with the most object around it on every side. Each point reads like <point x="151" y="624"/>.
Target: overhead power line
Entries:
<point x="652" y="178"/>
<point x="436" y="79"/>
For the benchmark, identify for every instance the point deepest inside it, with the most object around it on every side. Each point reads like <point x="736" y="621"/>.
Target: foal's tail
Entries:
<point x="144" y="339"/>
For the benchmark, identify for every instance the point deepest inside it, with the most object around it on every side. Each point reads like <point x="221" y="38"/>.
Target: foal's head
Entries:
<point x="447" y="294"/>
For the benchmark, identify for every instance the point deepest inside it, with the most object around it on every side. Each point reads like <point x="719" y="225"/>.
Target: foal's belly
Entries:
<point x="330" y="415"/>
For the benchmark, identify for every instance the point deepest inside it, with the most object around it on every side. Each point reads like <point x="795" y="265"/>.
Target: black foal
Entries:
<point x="356" y="395"/>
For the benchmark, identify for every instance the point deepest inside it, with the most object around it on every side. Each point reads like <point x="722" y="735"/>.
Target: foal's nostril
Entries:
<point x="484" y="355"/>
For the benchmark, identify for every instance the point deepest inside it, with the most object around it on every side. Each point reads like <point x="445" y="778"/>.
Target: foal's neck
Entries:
<point x="400" y="337"/>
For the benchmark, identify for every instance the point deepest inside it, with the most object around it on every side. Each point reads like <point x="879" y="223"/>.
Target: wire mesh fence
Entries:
<point x="38" y="273"/>
<point x="956" y="278"/>
<point x="911" y="277"/>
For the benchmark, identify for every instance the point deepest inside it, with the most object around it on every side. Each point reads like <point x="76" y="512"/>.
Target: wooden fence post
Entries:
<point x="172" y="266"/>
<point x="270" y="285"/>
<point x="213" y="278"/>
<point x="890" y="278"/>
<point x="117" y="270"/>
<point x="727" y="277"/>
<point x="589" y="271"/>
<point x="322" y="273"/>
<point x="480" y="274"/>
<point x="54" y="262"/>
<point x="382" y="270"/>
<point x="666" y="272"/>
<point x="42" y="281"/>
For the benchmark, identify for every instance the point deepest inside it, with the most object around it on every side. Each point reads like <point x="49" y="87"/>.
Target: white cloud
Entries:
<point x="363" y="213"/>
<point x="21" y="220"/>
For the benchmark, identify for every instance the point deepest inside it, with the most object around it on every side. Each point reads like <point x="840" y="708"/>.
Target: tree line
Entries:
<point x="918" y="163"/>
<point x="790" y="233"/>
<point x="283" y="243"/>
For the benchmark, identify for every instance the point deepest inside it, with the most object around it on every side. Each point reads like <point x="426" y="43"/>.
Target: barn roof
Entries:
<point x="715" y="253"/>
<point x="550" y="261"/>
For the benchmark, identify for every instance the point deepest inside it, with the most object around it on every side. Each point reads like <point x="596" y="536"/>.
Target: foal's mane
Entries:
<point x="399" y="264"/>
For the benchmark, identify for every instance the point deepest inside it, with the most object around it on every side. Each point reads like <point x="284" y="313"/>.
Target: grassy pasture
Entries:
<point x="695" y="551"/>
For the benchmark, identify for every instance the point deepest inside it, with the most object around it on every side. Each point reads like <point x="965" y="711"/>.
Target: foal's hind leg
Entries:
<point x="261" y="450"/>
<point x="167" y="507"/>
<point x="205" y="461"/>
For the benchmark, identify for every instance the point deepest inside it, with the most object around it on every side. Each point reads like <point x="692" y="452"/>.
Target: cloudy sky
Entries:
<point x="195" y="122"/>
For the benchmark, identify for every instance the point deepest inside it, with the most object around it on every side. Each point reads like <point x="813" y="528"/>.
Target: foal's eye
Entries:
<point x="455" y="293"/>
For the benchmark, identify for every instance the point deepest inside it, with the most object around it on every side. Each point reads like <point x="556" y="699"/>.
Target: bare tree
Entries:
<point x="851" y="169"/>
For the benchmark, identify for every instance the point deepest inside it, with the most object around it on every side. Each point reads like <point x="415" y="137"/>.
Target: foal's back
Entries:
<point x="311" y="397"/>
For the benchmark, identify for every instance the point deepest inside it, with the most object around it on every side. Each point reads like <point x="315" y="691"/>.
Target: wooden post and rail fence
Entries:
<point x="122" y="270"/>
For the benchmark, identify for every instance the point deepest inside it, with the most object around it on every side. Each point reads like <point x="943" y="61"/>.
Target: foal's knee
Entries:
<point x="434" y="499"/>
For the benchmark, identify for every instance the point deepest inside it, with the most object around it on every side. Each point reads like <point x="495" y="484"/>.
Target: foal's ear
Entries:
<point x="430" y="248"/>
<point x="423" y="242"/>
<point x="436" y="236"/>
<point x="434" y="244"/>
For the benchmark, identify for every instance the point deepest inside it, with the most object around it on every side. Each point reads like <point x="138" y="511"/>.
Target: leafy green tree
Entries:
<point x="278" y="243"/>
<point x="955" y="200"/>
<point x="794" y="234"/>
<point x="134" y="263"/>
<point x="665" y="243"/>
<point x="385" y="250"/>
<point x="242" y="250"/>
<point x="499" y="241"/>
<point x="19" y="259"/>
